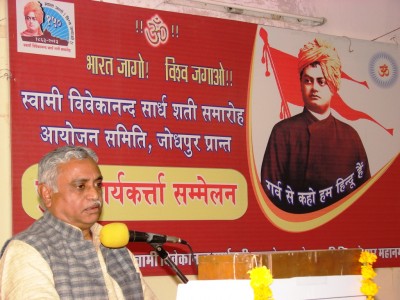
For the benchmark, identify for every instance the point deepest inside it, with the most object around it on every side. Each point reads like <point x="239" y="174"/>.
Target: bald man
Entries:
<point x="312" y="159"/>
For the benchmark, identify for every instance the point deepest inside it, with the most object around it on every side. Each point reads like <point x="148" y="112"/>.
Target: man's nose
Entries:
<point x="94" y="192"/>
<point x="314" y="86"/>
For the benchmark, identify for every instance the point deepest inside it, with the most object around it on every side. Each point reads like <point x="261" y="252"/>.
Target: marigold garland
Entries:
<point x="260" y="281"/>
<point x="368" y="287"/>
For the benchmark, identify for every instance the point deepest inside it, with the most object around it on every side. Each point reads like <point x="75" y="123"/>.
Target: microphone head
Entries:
<point x="114" y="235"/>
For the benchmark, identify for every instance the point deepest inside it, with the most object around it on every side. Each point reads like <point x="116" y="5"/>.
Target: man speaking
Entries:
<point x="60" y="255"/>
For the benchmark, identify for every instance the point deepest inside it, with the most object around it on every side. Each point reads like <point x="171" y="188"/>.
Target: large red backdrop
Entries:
<point x="179" y="108"/>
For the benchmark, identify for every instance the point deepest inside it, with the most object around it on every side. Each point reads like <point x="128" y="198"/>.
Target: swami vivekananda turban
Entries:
<point x="325" y="54"/>
<point x="36" y="8"/>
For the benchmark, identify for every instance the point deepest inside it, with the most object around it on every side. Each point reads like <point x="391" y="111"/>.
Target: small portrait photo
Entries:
<point x="34" y="16"/>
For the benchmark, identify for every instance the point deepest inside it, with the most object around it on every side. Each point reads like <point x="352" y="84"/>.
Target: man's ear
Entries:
<point x="45" y="193"/>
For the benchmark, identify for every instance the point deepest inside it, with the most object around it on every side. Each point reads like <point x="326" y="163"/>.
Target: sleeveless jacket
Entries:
<point x="74" y="262"/>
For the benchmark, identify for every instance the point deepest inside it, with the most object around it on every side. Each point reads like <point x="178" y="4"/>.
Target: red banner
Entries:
<point x="179" y="109"/>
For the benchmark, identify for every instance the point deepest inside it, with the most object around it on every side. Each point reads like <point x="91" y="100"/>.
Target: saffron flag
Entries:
<point x="284" y="67"/>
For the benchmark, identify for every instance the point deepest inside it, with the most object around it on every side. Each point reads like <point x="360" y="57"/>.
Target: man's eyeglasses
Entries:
<point x="28" y="18"/>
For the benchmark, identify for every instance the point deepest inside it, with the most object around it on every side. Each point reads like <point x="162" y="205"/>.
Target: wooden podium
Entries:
<point x="298" y="275"/>
<point x="285" y="264"/>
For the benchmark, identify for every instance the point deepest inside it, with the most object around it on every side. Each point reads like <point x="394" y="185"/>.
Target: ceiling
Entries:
<point x="366" y="20"/>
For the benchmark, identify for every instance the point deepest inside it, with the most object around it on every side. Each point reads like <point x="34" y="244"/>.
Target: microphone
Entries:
<point x="117" y="235"/>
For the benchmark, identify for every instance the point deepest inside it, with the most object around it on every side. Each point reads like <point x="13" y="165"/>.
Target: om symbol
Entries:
<point x="384" y="70"/>
<point x="156" y="31"/>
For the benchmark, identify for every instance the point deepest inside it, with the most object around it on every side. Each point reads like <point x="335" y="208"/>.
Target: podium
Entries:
<point x="298" y="275"/>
